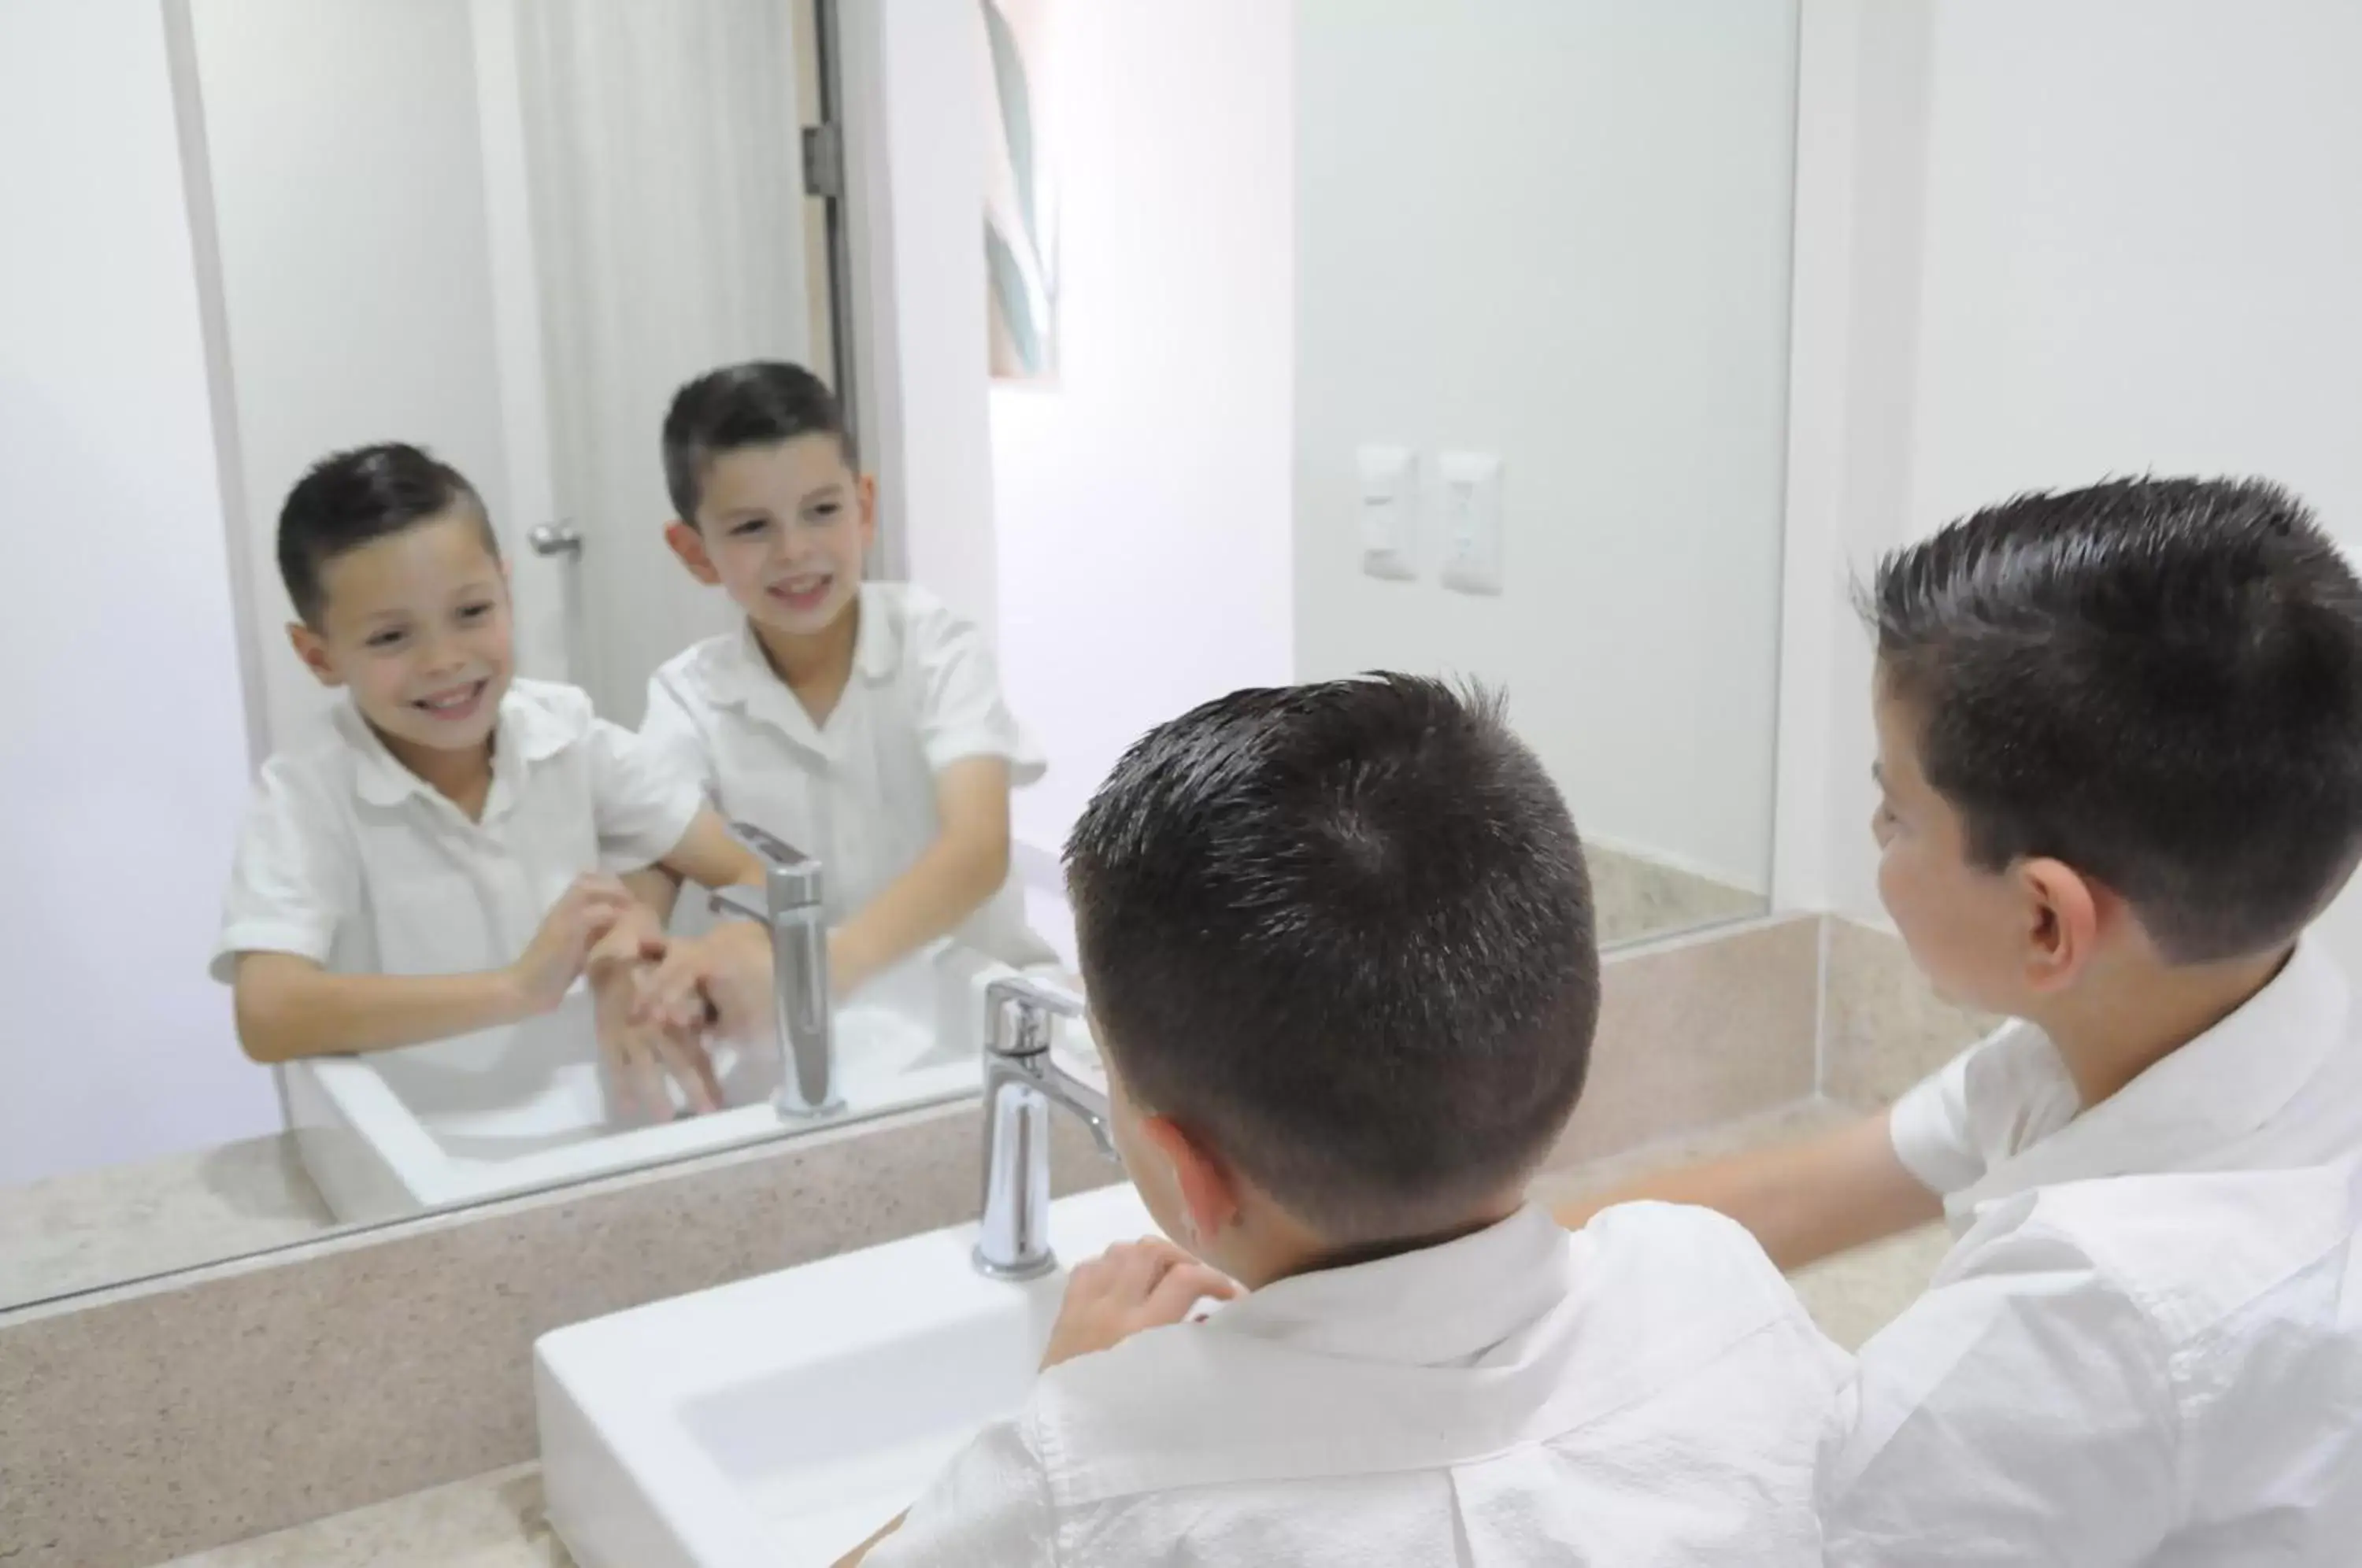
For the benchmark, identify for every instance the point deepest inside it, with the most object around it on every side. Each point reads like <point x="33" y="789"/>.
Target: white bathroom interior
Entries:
<point x="1587" y="347"/>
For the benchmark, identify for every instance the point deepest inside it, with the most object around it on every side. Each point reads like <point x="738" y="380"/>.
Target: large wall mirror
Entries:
<point x="1516" y="412"/>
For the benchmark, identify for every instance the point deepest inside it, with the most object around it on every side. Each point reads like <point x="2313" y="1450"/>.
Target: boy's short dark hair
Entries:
<point x="349" y="499"/>
<point x="1344" y="931"/>
<point x="2155" y="681"/>
<point x="758" y="404"/>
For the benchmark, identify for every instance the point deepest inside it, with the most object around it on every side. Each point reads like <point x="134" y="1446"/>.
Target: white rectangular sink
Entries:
<point x="509" y="1111"/>
<point x="778" y="1422"/>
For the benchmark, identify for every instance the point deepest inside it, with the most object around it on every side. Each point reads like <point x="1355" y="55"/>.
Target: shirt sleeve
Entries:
<point x="991" y="1504"/>
<point x="1930" y="1127"/>
<point x="643" y="802"/>
<point x="670" y="727"/>
<point x="2021" y="1414"/>
<point x="296" y="877"/>
<point x="961" y="710"/>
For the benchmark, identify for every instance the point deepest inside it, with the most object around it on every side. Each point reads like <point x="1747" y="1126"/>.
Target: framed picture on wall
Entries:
<point x="1020" y="203"/>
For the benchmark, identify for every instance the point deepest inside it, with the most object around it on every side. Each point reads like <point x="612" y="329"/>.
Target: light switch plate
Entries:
<point x="1469" y="502"/>
<point x="1388" y="511"/>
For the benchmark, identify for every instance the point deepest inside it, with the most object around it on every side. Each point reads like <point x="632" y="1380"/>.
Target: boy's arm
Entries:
<point x="289" y="1006"/>
<point x="1802" y="1202"/>
<point x="709" y="855"/>
<point x="2009" y="1415"/>
<point x="965" y="865"/>
<point x="860" y="1555"/>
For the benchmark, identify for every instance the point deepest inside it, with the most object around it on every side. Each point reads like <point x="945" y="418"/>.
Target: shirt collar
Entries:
<point x="525" y="732"/>
<point x="740" y="675"/>
<point x="1430" y="1308"/>
<point x="2220" y="1086"/>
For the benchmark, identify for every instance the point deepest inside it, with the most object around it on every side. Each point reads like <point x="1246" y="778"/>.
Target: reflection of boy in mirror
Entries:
<point x="1339" y="946"/>
<point x="860" y="721"/>
<point x="450" y="848"/>
<point x="2120" y="770"/>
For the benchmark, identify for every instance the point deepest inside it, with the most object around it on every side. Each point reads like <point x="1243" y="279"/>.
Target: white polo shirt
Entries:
<point x="858" y="792"/>
<point x="2121" y="1270"/>
<point x="353" y="861"/>
<point x="1645" y="1393"/>
<point x="2277" y="1083"/>
<point x="2161" y="1370"/>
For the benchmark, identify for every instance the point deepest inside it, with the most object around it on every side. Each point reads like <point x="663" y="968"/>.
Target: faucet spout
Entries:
<point x="1022" y="1082"/>
<point x="793" y="909"/>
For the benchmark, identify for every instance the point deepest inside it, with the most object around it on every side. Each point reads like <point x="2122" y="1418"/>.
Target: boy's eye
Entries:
<point x="475" y="612"/>
<point x="386" y="639"/>
<point x="828" y="509"/>
<point x="751" y="527"/>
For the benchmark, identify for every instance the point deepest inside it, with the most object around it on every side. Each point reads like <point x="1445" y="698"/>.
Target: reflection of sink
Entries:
<point x="510" y="1109"/>
<point x="779" y="1420"/>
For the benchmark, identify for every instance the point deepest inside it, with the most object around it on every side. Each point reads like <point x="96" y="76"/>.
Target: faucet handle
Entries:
<point x="791" y="879"/>
<point x="1022" y="1010"/>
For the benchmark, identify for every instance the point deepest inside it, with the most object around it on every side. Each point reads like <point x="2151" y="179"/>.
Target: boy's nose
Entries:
<point x="443" y="655"/>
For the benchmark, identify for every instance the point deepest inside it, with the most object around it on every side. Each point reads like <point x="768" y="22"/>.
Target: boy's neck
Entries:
<point x="2111" y="1033"/>
<point x="816" y="668"/>
<point x="1287" y="1249"/>
<point x="462" y="778"/>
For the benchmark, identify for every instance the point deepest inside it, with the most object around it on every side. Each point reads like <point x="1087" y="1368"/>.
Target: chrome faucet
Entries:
<point x="790" y="909"/>
<point x="1020" y="1084"/>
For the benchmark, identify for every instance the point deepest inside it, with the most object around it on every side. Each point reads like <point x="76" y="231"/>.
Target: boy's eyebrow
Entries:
<point x="832" y="488"/>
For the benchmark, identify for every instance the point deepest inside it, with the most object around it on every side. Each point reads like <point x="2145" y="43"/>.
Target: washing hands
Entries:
<point x="649" y="1046"/>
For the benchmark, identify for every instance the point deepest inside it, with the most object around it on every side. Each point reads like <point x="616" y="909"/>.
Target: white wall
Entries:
<point x="925" y="269"/>
<point x="125" y="766"/>
<point x="1558" y="231"/>
<point x="1142" y="506"/>
<point x="2082" y="238"/>
<point x="356" y="264"/>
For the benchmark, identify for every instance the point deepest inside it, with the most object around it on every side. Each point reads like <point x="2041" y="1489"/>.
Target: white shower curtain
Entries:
<point x="663" y="158"/>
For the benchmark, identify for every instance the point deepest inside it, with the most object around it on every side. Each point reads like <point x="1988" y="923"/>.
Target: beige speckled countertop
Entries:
<point x="105" y="1227"/>
<point x="487" y="1521"/>
<point x="496" y="1520"/>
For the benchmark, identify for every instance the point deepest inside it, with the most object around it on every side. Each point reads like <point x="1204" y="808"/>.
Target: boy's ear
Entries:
<point x="2067" y="912"/>
<point x="1208" y="1188"/>
<point x="690" y="546"/>
<point x="314" y="652"/>
<point x="866" y="490"/>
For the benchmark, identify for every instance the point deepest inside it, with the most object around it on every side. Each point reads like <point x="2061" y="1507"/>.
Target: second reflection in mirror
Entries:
<point x="451" y="848"/>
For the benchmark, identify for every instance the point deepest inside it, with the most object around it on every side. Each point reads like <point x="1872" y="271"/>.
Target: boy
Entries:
<point x="1339" y="946"/>
<point x="862" y="723"/>
<point x="442" y="854"/>
<point x="2120" y="757"/>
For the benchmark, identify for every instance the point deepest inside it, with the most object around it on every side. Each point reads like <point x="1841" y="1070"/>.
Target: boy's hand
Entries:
<point x="583" y="913"/>
<point x="641" y="1056"/>
<point x="1133" y="1286"/>
<point x="721" y="980"/>
<point x="636" y="938"/>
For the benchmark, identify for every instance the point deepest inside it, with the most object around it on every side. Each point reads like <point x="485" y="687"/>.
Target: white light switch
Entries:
<point x="1470" y="501"/>
<point x="1388" y="507"/>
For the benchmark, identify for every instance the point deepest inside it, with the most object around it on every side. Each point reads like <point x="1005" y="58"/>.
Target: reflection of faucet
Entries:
<point x="1020" y="1084"/>
<point x="792" y="910"/>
